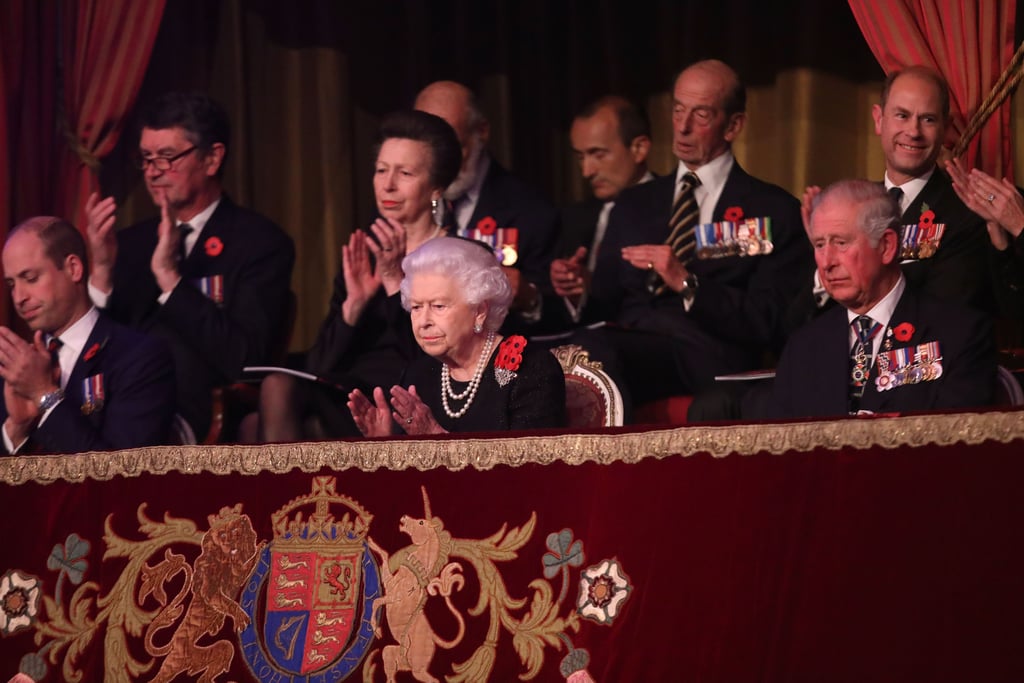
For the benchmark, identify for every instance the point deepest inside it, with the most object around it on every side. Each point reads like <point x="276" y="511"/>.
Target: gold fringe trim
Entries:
<point x="483" y="454"/>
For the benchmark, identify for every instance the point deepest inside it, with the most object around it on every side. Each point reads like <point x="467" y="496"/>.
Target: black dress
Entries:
<point x="533" y="399"/>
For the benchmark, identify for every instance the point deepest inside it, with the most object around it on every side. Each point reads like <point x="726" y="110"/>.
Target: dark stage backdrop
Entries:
<point x="307" y="82"/>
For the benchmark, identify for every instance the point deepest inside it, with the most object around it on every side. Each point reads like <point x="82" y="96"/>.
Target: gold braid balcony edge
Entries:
<point x="457" y="453"/>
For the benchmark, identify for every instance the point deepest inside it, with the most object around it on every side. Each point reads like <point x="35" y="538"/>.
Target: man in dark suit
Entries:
<point x="885" y="347"/>
<point x="689" y="319"/>
<point x="911" y="120"/>
<point x="493" y="205"/>
<point x="209" y="276"/>
<point x="84" y="382"/>
<point x="611" y="138"/>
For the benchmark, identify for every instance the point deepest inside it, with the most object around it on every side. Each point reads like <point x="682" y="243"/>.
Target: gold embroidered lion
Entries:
<point x="229" y="552"/>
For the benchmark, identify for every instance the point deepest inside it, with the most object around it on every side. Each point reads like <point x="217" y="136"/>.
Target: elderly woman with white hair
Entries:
<point x="471" y="379"/>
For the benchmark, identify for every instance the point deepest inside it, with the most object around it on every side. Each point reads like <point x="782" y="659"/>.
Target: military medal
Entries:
<point x="212" y="288"/>
<point x="92" y="392"/>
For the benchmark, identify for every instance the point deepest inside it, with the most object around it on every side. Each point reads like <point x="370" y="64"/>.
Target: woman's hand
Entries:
<point x="411" y="413"/>
<point x="389" y="250"/>
<point x="361" y="280"/>
<point x="997" y="201"/>
<point x="372" y="419"/>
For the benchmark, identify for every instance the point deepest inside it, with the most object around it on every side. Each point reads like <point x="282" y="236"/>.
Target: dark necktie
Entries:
<point x="184" y="230"/>
<point x="865" y="330"/>
<point x="53" y="346"/>
<point x="897" y="196"/>
<point x="681" y="224"/>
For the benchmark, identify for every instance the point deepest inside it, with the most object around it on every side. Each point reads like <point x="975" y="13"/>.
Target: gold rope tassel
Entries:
<point x="1007" y="82"/>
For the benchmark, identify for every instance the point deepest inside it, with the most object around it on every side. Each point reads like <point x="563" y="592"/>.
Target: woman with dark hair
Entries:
<point x="363" y="341"/>
<point x="470" y="379"/>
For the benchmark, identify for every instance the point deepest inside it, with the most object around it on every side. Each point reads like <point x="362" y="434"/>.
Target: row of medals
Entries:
<point x="740" y="247"/>
<point x="921" y="370"/>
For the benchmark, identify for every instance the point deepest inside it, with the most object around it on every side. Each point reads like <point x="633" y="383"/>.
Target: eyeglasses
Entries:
<point x="163" y="163"/>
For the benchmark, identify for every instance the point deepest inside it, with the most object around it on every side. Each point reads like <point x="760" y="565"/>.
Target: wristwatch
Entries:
<point x="50" y="400"/>
<point x="689" y="289"/>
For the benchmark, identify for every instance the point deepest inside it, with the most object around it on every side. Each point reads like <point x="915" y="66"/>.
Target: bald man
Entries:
<point x="683" y="320"/>
<point x="491" y="204"/>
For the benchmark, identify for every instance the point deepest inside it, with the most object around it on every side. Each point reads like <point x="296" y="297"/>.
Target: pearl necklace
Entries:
<point x="470" y="393"/>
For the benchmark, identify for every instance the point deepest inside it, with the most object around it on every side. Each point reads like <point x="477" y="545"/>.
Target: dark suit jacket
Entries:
<point x="814" y="371"/>
<point x="958" y="271"/>
<point x="211" y="341"/>
<point x="739" y="300"/>
<point x="514" y="204"/>
<point x="577" y="226"/>
<point x="138" y="383"/>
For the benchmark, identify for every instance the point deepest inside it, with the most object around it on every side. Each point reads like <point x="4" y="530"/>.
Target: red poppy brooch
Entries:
<point x="903" y="332"/>
<point x="91" y="352"/>
<point x="487" y="225"/>
<point x="213" y="246"/>
<point x="927" y="218"/>
<point x="510" y="356"/>
<point x="733" y="214"/>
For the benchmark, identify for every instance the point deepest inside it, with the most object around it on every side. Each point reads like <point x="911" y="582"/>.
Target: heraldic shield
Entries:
<point x="311" y="593"/>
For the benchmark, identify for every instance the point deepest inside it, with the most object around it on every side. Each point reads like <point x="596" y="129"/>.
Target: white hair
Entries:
<point x="876" y="210"/>
<point x="471" y="265"/>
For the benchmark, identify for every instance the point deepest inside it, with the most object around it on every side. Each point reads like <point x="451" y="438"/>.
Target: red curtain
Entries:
<point x="968" y="42"/>
<point x="104" y="63"/>
<point x="59" y="116"/>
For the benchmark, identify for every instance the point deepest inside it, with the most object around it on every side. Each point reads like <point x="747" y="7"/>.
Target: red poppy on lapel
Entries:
<point x="734" y="213"/>
<point x="487" y="225"/>
<point x="927" y="218"/>
<point x="903" y="332"/>
<point x="213" y="246"/>
<point x="91" y="352"/>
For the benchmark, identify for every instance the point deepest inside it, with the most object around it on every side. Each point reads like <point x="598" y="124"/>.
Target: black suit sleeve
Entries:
<point x="138" y="409"/>
<point x="243" y="330"/>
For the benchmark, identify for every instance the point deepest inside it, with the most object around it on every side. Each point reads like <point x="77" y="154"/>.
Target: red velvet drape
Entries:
<point x="968" y="42"/>
<point x="104" y="63"/>
<point x="58" y="117"/>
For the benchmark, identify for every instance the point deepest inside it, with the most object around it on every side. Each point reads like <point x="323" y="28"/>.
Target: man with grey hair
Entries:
<point x="492" y="205"/>
<point x="885" y="348"/>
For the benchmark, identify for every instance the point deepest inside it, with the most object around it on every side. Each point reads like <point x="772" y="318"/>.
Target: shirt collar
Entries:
<point x="198" y="222"/>
<point x="712" y="174"/>
<point x="473" y="192"/>
<point x="73" y="342"/>
<point x="911" y="188"/>
<point x="883" y="310"/>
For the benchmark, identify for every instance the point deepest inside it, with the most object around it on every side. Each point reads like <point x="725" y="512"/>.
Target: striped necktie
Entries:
<point x="681" y="225"/>
<point x="860" y="357"/>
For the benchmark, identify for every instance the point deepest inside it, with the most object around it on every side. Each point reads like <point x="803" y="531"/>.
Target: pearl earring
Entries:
<point x="478" y="328"/>
<point x="437" y="212"/>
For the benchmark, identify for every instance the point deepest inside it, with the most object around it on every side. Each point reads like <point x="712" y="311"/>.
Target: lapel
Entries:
<point x="214" y="242"/>
<point x="933" y="194"/>
<point x="737" y="186"/>
<point x="906" y="311"/>
<point x="90" y="361"/>
<point x="489" y="201"/>
<point x="834" y="377"/>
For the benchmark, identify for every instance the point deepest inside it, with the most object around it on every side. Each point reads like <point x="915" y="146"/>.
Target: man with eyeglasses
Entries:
<point x="695" y="287"/>
<point x="209" y="276"/>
